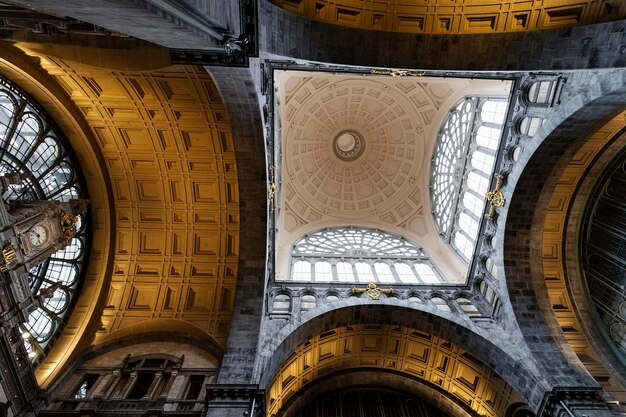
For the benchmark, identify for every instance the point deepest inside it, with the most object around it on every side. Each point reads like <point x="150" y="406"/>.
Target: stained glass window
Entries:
<point x="31" y="144"/>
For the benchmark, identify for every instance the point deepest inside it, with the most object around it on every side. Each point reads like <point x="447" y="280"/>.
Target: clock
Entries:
<point x="38" y="235"/>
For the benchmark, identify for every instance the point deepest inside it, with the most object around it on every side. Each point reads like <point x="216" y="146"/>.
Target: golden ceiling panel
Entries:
<point x="402" y="350"/>
<point x="554" y="264"/>
<point x="462" y="17"/>
<point x="166" y="140"/>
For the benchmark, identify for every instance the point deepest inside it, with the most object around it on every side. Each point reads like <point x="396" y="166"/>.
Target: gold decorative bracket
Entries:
<point x="398" y="73"/>
<point x="68" y="225"/>
<point x="8" y="256"/>
<point x="495" y="197"/>
<point x="372" y="290"/>
<point x="271" y="190"/>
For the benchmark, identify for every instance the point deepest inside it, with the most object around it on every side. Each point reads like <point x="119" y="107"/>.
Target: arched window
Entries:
<point x="440" y="303"/>
<point x="308" y="302"/>
<point x="145" y="378"/>
<point x="463" y="164"/>
<point x="467" y="306"/>
<point x="282" y="304"/>
<point x="528" y="126"/>
<point x="350" y="255"/>
<point x="31" y="144"/>
<point x="541" y="92"/>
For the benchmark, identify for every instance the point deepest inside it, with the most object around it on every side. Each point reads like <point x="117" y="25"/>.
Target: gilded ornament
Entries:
<point x="8" y="256"/>
<point x="271" y="190"/>
<point x="398" y="73"/>
<point x="372" y="291"/>
<point x="68" y="225"/>
<point x="495" y="197"/>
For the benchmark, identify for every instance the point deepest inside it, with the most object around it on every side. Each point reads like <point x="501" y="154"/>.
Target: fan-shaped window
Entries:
<point x="463" y="164"/>
<point x="351" y="254"/>
<point x="31" y="145"/>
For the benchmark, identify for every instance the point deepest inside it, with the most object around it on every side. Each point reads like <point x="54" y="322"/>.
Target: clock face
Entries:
<point x="38" y="235"/>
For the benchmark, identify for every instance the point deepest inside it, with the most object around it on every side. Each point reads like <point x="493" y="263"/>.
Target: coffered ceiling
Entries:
<point x="165" y="139"/>
<point x="356" y="150"/>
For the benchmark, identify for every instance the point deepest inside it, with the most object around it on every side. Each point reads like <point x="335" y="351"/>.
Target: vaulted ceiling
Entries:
<point x="385" y="184"/>
<point x="165" y="142"/>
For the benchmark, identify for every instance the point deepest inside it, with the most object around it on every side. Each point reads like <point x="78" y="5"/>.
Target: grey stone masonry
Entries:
<point x="589" y="100"/>
<point x="165" y="23"/>
<point x="294" y="36"/>
<point x="239" y="96"/>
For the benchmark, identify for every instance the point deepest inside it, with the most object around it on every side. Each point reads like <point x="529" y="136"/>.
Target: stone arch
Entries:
<point x="385" y="379"/>
<point x="533" y="181"/>
<point x="512" y="365"/>
<point x="237" y="90"/>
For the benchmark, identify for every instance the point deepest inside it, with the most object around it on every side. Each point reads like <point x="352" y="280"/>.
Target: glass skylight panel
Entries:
<point x="463" y="164"/>
<point x="351" y="254"/>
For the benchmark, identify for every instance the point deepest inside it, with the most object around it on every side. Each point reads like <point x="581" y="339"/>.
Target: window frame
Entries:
<point x="450" y="173"/>
<point x="400" y="250"/>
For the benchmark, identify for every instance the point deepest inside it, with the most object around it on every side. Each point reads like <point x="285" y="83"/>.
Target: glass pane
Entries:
<point x="468" y="224"/>
<point x="488" y="137"/>
<point x="57" y="301"/>
<point x="467" y="306"/>
<point x="474" y="204"/>
<point x="440" y="303"/>
<point x="282" y="304"/>
<point x="7" y="109"/>
<point x="44" y="156"/>
<point x="62" y="272"/>
<point x="55" y="180"/>
<point x="71" y="251"/>
<point x="39" y="325"/>
<point x="323" y="271"/>
<point x="463" y="244"/>
<point x="427" y="273"/>
<point x="308" y="302"/>
<point x="493" y="111"/>
<point x="344" y="272"/>
<point x="364" y="272"/>
<point x="482" y="161"/>
<point x="301" y="271"/>
<point x="384" y="272"/>
<point x="478" y="182"/>
<point x="25" y="137"/>
<point x="405" y="273"/>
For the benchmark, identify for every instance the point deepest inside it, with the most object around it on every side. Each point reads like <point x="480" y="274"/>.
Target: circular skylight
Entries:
<point x="348" y="145"/>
